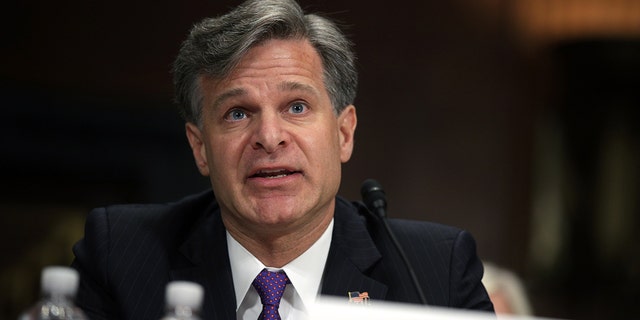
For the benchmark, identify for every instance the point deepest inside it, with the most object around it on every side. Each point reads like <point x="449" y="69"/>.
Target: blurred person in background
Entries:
<point x="506" y="291"/>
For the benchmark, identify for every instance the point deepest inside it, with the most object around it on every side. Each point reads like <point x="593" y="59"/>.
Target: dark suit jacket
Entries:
<point x="130" y="252"/>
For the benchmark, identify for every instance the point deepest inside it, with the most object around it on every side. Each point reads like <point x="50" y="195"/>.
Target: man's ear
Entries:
<point x="198" y="148"/>
<point x="347" y="121"/>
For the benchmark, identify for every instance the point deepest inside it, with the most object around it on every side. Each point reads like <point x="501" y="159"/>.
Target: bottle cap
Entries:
<point x="59" y="280"/>
<point x="184" y="293"/>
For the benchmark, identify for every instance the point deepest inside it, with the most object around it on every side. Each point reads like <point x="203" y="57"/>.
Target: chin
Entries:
<point x="277" y="217"/>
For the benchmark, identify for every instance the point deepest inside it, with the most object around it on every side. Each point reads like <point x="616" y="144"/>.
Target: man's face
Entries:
<point x="270" y="140"/>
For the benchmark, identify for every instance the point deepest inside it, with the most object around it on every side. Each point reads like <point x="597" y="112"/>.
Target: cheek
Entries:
<point x="324" y="146"/>
<point x="224" y="153"/>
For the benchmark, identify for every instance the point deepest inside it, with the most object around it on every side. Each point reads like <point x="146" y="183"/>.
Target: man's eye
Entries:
<point x="298" y="108"/>
<point x="236" y="114"/>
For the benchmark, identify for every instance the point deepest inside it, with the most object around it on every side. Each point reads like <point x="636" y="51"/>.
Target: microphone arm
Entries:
<point x="375" y="199"/>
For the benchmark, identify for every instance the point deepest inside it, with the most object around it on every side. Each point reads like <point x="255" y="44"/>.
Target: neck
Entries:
<point x="277" y="247"/>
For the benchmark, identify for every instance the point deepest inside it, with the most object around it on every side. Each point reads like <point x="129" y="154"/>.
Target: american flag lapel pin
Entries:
<point x="357" y="297"/>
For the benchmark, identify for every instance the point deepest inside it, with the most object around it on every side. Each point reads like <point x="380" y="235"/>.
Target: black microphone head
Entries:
<point x="373" y="196"/>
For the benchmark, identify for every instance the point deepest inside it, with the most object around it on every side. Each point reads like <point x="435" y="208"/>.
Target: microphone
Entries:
<point x="375" y="199"/>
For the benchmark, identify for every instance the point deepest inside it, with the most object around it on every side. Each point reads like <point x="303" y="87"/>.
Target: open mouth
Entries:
<point x="273" y="174"/>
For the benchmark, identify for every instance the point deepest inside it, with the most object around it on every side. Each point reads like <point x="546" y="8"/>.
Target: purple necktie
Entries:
<point x="270" y="287"/>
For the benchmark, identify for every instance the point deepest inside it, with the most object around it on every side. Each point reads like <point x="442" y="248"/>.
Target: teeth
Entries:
<point x="277" y="176"/>
<point x="272" y="173"/>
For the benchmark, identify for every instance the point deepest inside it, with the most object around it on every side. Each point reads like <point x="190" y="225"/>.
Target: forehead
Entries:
<point x="275" y="60"/>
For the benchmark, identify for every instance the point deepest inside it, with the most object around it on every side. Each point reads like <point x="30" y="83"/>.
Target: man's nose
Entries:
<point x="270" y="133"/>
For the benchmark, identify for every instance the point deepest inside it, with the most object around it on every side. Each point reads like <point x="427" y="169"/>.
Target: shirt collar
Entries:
<point x="304" y="272"/>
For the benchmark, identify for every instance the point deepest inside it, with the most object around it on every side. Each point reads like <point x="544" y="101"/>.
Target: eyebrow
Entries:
<point x="283" y="86"/>
<point x="228" y="95"/>
<point x="297" y="86"/>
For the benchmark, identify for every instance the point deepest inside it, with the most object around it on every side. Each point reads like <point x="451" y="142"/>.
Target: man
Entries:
<point x="267" y="93"/>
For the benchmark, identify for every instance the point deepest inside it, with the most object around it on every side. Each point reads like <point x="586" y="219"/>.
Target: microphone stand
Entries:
<point x="375" y="200"/>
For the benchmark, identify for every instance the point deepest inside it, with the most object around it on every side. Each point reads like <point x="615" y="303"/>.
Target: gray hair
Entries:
<point x="215" y="46"/>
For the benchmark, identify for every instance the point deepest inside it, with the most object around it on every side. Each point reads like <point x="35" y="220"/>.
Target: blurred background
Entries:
<point x="514" y="119"/>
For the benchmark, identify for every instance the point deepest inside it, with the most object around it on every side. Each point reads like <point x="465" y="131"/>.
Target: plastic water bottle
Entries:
<point x="183" y="300"/>
<point x="58" y="286"/>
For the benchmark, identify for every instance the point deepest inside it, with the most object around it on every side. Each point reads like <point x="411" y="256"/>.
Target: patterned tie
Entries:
<point x="270" y="287"/>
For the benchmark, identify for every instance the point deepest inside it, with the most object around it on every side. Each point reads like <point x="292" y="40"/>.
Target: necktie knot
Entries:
<point x="270" y="287"/>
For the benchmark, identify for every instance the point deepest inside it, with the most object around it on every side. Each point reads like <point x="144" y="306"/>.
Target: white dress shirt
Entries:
<point x="304" y="272"/>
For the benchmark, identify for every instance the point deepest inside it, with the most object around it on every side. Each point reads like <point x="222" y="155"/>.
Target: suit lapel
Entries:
<point x="351" y="257"/>
<point x="209" y="266"/>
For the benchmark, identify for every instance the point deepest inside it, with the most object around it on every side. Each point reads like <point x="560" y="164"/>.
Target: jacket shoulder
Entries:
<point x="136" y="219"/>
<point x="130" y="248"/>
